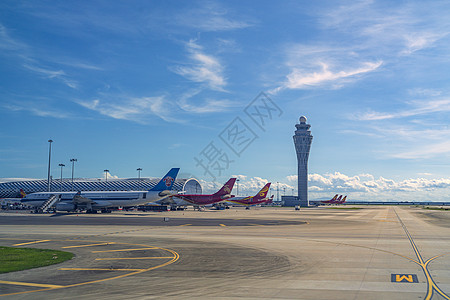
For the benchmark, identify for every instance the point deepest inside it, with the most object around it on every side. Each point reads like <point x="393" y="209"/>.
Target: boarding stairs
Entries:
<point x="49" y="203"/>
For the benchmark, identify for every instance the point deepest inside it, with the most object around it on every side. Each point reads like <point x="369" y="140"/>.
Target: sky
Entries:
<point x="216" y="88"/>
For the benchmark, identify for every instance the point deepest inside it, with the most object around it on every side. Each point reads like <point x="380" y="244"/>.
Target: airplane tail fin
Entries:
<point x="227" y="188"/>
<point x="334" y="198"/>
<point x="343" y="200"/>
<point x="263" y="192"/>
<point x="338" y="199"/>
<point x="22" y="194"/>
<point x="167" y="181"/>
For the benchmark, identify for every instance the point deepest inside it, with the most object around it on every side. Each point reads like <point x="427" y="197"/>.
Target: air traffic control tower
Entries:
<point x="302" y="142"/>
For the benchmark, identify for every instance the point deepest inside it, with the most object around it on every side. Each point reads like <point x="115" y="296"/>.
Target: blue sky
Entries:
<point x="157" y="84"/>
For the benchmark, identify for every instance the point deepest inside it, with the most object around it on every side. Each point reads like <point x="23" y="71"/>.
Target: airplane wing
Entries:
<point x="79" y="199"/>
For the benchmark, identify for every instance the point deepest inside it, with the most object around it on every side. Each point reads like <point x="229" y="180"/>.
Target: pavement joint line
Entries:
<point x="120" y="250"/>
<point x="29" y="243"/>
<point x="186" y="225"/>
<point x="90" y="245"/>
<point x="31" y="284"/>
<point x="122" y="258"/>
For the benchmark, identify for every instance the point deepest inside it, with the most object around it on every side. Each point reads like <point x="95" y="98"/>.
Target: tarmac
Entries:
<point x="371" y="252"/>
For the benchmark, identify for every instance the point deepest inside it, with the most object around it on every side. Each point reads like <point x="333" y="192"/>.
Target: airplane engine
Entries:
<point x="65" y="206"/>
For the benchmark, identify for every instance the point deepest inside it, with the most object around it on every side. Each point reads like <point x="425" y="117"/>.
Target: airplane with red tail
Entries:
<point x="331" y="201"/>
<point x="198" y="200"/>
<point x="342" y="201"/>
<point x="259" y="198"/>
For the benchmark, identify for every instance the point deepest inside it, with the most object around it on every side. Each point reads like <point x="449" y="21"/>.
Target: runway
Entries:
<point x="263" y="253"/>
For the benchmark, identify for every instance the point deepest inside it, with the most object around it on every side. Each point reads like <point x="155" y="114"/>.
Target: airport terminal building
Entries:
<point x="12" y="189"/>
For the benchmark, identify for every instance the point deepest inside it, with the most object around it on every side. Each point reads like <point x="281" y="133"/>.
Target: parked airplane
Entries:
<point x="259" y="198"/>
<point x="22" y="194"/>
<point x="198" y="200"/>
<point x="101" y="200"/>
<point x="331" y="201"/>
<point x="342" y="201"/>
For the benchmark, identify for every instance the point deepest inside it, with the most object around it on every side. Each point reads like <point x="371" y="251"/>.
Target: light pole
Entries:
<point x="278" y="191"/>
<point x="60" y="181"/>
<point x="72" y="160"/>
<point x="49" y="158"/>
<point x="106" y="174"/>
<point x="237" y="186"/>
<point x="139" y="173"/>
<point x="284" y="191"/>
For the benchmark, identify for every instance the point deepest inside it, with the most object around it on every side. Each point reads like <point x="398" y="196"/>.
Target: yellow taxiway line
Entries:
<point x="32" y="284"/>
<point x="98" y="269"/>
<point x="29" y="243"/>
<point x="149" y="257"/>
<point x="121" y="250"/>
<point x="90" y="245"/>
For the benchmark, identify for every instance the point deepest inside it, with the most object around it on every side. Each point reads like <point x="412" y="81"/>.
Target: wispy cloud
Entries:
<point x="7" y="42"/>
<point x="370" y="35"/>
<point x="299" y="79"/>
<point x="38" y="109"/>
<point x="207" y="106"/>
<point x="211" y="16"/>
<point x="139" y="110"/>
<point x="401" y="28"/>
<point x="51" y="74"/>
<point x="324" y="66"/>
<point x="421" y="108"/>
<point x="192" y="103"/>
<point x="203" y="68"/>
<point x="24" y="53"/>
<point x="423" y="151"/>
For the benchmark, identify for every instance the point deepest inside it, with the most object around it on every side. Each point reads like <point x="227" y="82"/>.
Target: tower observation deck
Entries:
<point x="302" y="142"/>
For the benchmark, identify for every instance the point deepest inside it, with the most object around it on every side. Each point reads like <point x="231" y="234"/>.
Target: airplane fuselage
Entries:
<point x="97" y="199"/>
<point x="198" y="200"/>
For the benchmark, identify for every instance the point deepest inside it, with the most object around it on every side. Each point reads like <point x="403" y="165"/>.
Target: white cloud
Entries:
<point x="427" y="150"/>
<point x="307" y="79"/>
<point x="393" y="28"/>
<point x="51" y="74"/>
<point x="7" y="42"/>
<point x="38" y="109"/>
<point x="299" y="79"/>
<point x="209" y="17"/>
<point x="421" y="108"/>
<point x="366" y="183"/>
<point x="203" y="68"/>
<point x="132" y="109"/>
<point x="208" y="106"/>
<point x="109" y="176"/>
